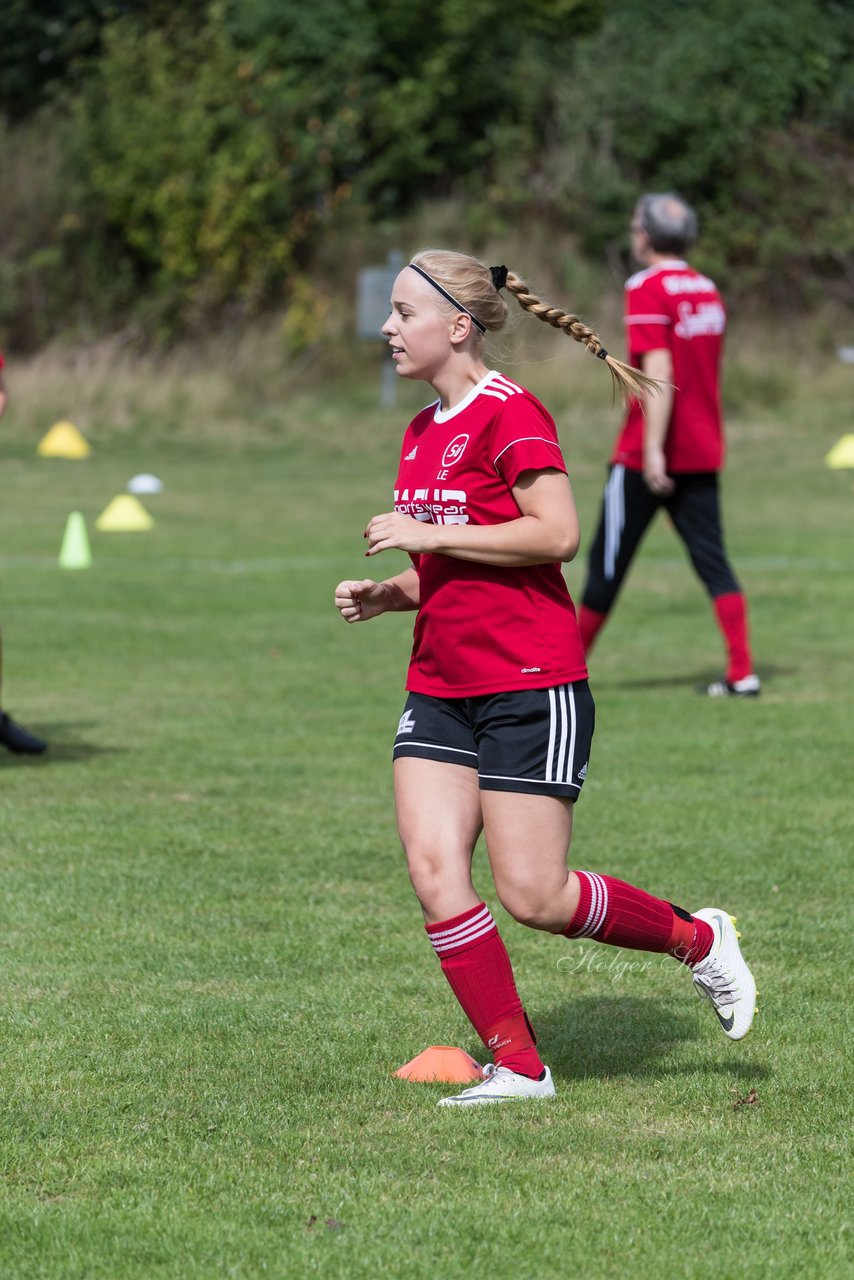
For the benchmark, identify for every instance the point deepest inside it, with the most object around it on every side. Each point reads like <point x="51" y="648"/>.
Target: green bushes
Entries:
<point x="184" y="163"/>
<point x="747" y="110"/>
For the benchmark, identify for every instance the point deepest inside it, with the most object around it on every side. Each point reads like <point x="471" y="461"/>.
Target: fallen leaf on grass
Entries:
<point x="748" y="1100"/>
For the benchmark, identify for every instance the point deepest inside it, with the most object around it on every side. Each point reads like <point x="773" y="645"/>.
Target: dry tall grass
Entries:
<point x="247" y="387"/>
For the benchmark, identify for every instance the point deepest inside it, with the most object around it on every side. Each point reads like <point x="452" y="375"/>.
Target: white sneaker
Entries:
<point x="724" y="978"/>
<point x="749" y="687"/>
<point x="500" y="1084"/>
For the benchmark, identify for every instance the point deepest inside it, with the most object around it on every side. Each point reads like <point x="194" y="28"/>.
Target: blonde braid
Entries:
<point x="630" y="383"/>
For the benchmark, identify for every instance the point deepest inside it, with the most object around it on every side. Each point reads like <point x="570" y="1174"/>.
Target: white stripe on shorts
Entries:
<point x="560" y="756"/>
<point x="570" y="759"/>
<point x="534" y="782"/>
<point x="437" y="746"/>
<point x="552" y="734"/>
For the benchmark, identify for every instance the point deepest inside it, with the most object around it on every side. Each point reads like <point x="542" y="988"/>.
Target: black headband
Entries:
<point x="449" y="296"/>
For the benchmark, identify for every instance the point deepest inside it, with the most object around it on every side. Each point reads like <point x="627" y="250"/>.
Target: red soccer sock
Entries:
<point x="590" y="623"/>
<point x="477" y="966"/>
<point x="617" y="913"/>
<point x="731" y="613"/>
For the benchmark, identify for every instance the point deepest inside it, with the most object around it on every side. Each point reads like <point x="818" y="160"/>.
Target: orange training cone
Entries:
<point x="441" y="1062"/>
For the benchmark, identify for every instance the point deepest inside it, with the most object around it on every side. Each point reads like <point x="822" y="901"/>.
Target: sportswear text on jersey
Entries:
<point x="436" y="506"/>
<point x="699" y="319"/>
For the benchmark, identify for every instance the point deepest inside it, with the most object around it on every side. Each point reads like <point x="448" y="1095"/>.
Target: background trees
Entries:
<point x="166" y="165"/>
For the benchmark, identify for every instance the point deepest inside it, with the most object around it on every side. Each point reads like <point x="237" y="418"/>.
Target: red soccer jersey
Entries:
<point x="483" y="628"/>
<point x="671" y="305"/>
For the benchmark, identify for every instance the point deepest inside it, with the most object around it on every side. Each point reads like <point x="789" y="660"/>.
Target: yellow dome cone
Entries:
<point x="125" y="514"/>
<point x="75" y="552"/>
<point x="64" y="441"/>
<point x="842" y="453"/>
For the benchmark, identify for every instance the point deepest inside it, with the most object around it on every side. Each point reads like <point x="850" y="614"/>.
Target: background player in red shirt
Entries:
<point x="12" y="736"/>
<point x="671" y="447"/>
<point x="496" y="731"/>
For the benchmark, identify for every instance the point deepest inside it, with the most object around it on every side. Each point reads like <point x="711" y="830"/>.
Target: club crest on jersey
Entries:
<point x="454" y="451"/>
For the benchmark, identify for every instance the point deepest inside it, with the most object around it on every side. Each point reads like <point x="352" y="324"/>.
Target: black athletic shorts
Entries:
<point x="532" y="740"/>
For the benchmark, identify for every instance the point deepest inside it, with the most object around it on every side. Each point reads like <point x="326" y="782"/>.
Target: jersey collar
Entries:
<point x="444" y="415"/>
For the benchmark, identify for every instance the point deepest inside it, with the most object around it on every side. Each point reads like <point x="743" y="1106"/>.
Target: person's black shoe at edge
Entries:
<point x="18" y="739"/>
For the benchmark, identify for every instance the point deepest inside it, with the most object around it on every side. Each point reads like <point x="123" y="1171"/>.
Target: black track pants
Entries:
<point x="628" y="507"/>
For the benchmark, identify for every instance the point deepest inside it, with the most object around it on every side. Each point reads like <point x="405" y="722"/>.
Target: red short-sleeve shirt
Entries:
<point x="484" y="628"/>
<point x="673" y="306"/>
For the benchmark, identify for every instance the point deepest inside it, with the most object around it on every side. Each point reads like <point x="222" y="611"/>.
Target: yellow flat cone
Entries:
<point x="441" y="1062"/>
<point x="64" y="441"/>
<point x="125" y="514"/>
<point x="842" y="453"/>
<point x="75" y="552"/>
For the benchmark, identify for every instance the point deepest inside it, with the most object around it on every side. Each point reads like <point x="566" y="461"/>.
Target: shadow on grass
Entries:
<point x="600" y="1037"/>
<point x="697" y="682"/>
<point x="64" y="746"/>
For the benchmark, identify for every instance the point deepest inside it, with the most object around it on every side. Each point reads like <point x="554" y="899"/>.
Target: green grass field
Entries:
<point x="212" y="960"/>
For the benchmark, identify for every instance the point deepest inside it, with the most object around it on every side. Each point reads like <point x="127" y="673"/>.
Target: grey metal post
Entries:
<point x="388" y="385"/>
<point x="374" y="289"/>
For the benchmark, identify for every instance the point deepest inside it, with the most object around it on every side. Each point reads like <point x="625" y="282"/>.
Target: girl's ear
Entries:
<point x="460" y="328"/>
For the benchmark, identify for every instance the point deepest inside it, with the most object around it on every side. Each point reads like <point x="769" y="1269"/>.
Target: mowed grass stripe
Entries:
<point x="212" y="960"/>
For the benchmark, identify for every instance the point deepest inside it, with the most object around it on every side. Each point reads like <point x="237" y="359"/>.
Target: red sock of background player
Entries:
<point x="617" y="913"/>
<point x="477" y="966"/>
<point x="731" y="613"/>
<point x="590" y="623"/>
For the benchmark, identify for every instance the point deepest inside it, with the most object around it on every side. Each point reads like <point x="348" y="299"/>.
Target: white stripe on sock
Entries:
<point x="582" y="933"/>
<point x="603" y="904"/>
<point x="488" y="926"/>
<point x="483" y="914"/>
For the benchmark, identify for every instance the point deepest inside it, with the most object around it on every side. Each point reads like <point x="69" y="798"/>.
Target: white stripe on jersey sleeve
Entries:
<point x="506" y="384"/>
<point x="521" y="439"/>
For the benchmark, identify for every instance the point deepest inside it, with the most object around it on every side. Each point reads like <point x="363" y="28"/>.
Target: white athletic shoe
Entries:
<point x="500" y="1084"/>
<point x="749" y="687"/>
<point x="724" y="978"/>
